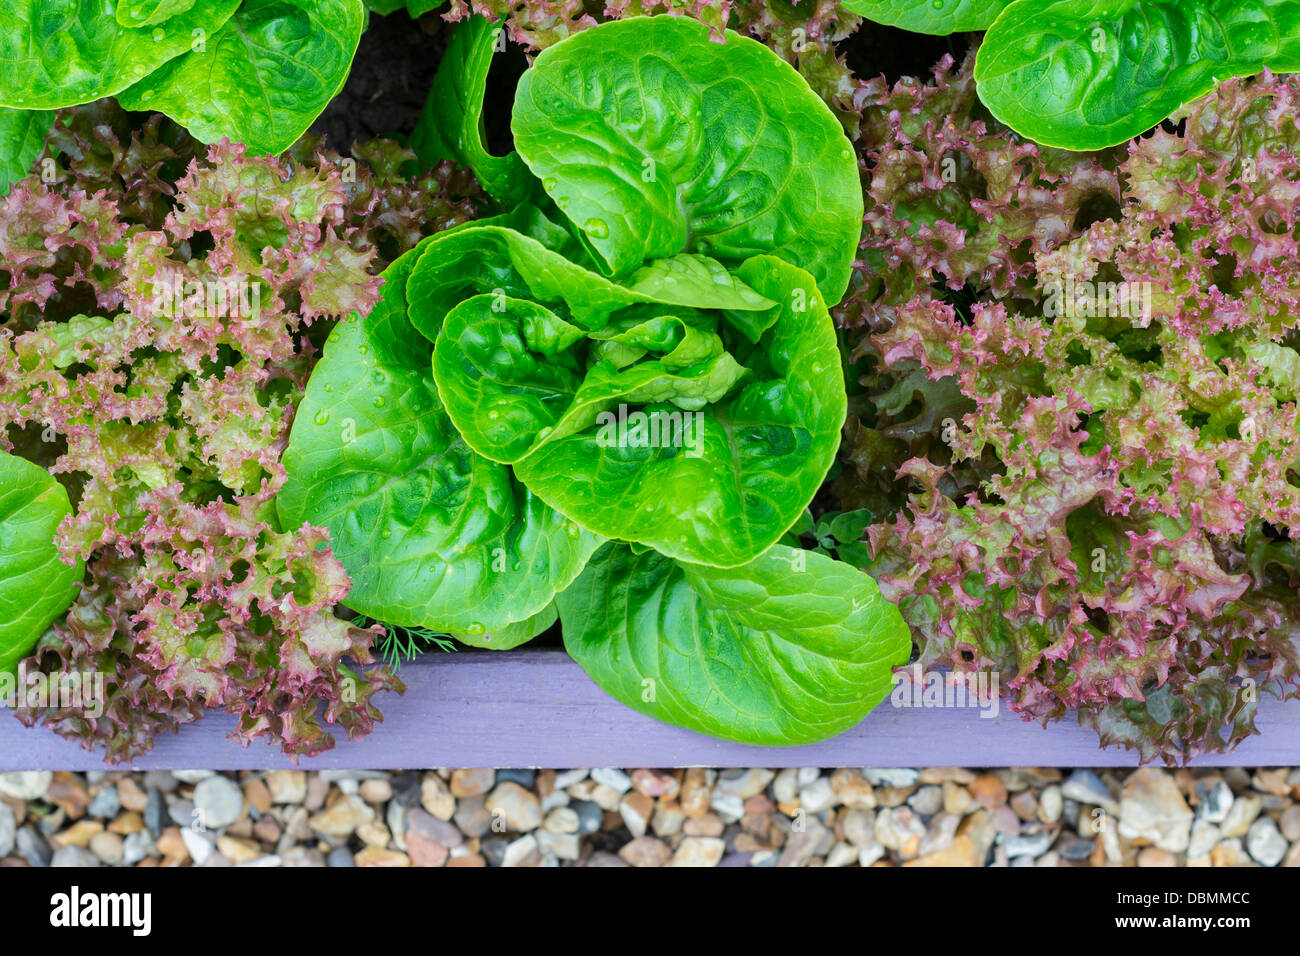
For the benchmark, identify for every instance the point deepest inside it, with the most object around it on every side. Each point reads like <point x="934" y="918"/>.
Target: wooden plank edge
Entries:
<point x="538" y="709"/>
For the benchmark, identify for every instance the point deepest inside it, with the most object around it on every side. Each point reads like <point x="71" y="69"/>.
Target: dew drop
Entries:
<point x="363" y="349"/>
<point x="385" y="533"/>
<point x="475" y="628"/>
<point x="322" y="418"/>
<point x="549" y="184"/>
<point x="597" y="228"/>
<point x="379" y="377"/>
<point x="158" y="34"/>
<point x="379" y="401"/>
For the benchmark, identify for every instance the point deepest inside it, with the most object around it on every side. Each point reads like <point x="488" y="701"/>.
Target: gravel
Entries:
<point x="608" y="816"/>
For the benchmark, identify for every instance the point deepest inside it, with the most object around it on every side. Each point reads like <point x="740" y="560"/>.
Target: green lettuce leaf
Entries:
<point x="654" y="141"/>
<point x="1087" y="74"/>
<point x="263" y="77"/>
<point x="730" y="454"/>
<point x="451" y="122"/>
<point x="64" y="52"/>
<point x="35" y="585"/>
<point x="790" y="649"/>
<point x="432" y="534"/>
<point x="22" y="137"/>
<point x="148" y="13"/>
<point x="928" y="16"/>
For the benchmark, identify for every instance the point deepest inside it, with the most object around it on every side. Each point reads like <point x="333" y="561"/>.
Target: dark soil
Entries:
<point x="391" y="76"/>
<point x="874" y="49"/>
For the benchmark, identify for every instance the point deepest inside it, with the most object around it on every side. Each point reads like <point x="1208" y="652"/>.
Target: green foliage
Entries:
<point x="22" y="135"/>
<point x="36" y="586"/>
<point x="1088" y="74"/>
<point x="254" y="71"/>
<point x="666" y="377"/>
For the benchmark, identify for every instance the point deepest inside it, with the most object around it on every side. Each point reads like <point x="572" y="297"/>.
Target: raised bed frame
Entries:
<point x="538" y="709"/>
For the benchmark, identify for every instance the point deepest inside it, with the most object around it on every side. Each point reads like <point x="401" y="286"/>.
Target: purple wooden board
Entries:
<point x="538" y="709"/>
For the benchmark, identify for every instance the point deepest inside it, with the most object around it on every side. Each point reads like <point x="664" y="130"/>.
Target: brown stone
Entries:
<point x="472" y="782"/>
<point x="257" y="795"/>
<point x="67" y="791"/>
<point x="378" y="856"/>
<point x="988" y="791"/>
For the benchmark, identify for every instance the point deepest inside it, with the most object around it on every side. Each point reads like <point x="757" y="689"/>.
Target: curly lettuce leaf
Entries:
<point x="654" y="141"/>
<point x="789" y="649"/>
<point x="36" y="586"/>
<point x="263" y="77"/>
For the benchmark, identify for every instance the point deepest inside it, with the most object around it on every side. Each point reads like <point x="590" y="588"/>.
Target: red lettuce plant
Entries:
<point x="1079" y="377"/>
<point x="162" y="310"/>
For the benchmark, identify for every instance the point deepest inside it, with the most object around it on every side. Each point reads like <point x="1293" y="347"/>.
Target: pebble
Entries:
<point x="817" y="796"/>
<point x="522" y="852"/>
<point x="590" y="816"/>
<point x="1241" y="815"/>
<point x="1203" y="839"/>
<point x="1290" y="823"/>
<point x="287" y="786"/>
<point x="698" y="851"/>
<point x="472" y="783"/>
<point x="8" y="829"/>
<point x="437" y="798"/>
<point x="73" y="856"/>
<point x="890" y="776"/>
<point x="1265" y="843"/>
<point x="564" y="820"/>
<point x="340" y="857"/>
<point x="106" y="804"/>
<point x="636" y="810"/>
<point x="219" y="802"/>
<point x="743" y="783"/>
<point x="342" y="817"/>
<point x="519" y="808"/>
<point x="522" y="776"/>
<point x="1028" y="844"/>
<point x="25" y="784"/>
<point x="154" y="809"/>
<point x="988" y="791"/>
<point x="198" y="845"/>
<point x="1084" y="786"/>
<point x="1152" y="808"/>
<point x="613" y="778"/>
<point x="136" y="847"/>
<point x="472" y="816"/>
<point x="927" y="801"/>
<point x="654" y="783"/>
<point x="374" y="856"/>
<point x="645" y="851"/>
<point x="1214" y="802"/>
<point x="1050" y="804"/>
<point x="33" y="847"/>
